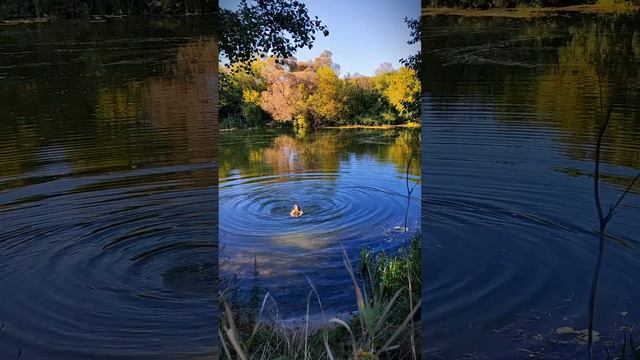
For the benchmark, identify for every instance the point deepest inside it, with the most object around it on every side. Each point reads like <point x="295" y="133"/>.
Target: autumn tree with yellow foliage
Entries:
<point x="402" y="89"/>
<point x="328" y="102"/>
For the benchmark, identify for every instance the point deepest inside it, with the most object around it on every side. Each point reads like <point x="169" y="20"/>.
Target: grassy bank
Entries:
<point x="387" y="294"/>
<point x="532" y="12"/>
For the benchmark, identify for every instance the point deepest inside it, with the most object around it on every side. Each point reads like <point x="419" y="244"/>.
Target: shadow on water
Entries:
<point x="108" y="201"/>
<point x="351" y="185"/>
<point x="511" y="109"/>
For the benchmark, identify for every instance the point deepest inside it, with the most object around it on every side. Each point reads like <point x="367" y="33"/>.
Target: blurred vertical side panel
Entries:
<point x="108" y="180"/>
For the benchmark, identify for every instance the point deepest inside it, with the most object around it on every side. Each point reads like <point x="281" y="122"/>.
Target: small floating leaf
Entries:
<point x="565" y="330"/>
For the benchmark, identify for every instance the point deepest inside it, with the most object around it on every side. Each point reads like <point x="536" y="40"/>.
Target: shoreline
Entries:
<point x="89" y="18"/>
<point x="41" y="20"/>
<point x="533" y="12"/>
<point x="379" y="127"/>
<point x="384" y="127"/>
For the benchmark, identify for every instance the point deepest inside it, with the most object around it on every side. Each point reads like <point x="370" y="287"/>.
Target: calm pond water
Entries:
<point x="511" y="109"/>
<point x="351" y="185"/>
<point x="108" y="199"/>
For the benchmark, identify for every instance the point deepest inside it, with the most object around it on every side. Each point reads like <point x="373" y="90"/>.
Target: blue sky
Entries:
<point x="362" y="33"/>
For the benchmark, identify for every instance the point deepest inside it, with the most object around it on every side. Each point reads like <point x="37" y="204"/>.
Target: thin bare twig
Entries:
<point x="624" y="194"/>
<point x="603" y="219"/>
<point x="409" y="192"/>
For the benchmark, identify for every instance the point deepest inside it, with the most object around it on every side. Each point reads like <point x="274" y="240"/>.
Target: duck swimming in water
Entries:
<point x="296" y="211"/>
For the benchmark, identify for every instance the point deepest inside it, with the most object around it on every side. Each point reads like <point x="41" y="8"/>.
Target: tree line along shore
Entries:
<point x="269" y="92"/>
<point x="527" y="8"/>
<point x="28" y="10"/>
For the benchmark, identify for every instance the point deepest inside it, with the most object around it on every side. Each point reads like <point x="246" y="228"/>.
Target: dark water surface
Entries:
<point x="510" y="112"/>
<point x="108" y="204"/>
<point x="351" y="185"/>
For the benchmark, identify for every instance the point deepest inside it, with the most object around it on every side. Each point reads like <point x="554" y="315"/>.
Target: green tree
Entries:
<point x="267" y="27"/>
<point x="364" y="103"/>
<point x="414" y="61"/>
<point x="240" y="93"/>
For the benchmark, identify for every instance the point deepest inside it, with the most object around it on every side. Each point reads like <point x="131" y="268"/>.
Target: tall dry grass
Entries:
<point x="387" y="296"/>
